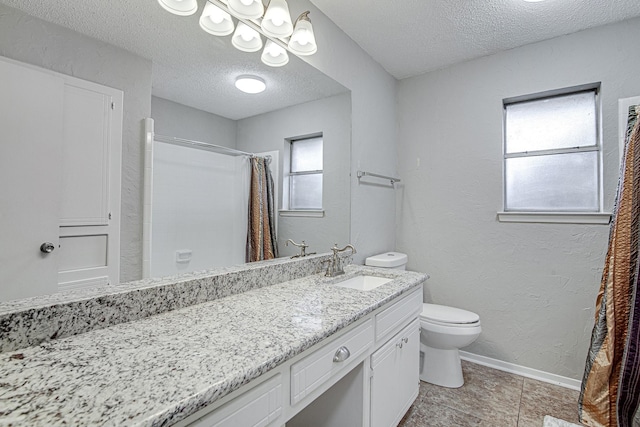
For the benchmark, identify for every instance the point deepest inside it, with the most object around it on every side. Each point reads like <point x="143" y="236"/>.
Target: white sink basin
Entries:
<point x="363" y="283"/>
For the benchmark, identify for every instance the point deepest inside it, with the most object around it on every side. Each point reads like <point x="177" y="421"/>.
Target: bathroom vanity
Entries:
<point x="286" y="347"/>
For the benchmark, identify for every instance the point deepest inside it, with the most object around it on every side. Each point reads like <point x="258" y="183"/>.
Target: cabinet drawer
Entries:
<point x="259" y="406"/>
<point x="392" y="319"/>
<point x="312" y="371"/>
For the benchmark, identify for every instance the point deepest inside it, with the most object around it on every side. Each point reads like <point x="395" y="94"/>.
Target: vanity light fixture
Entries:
<point x="180" y="7"/>
<point x="216" y="21"/>
<point x="275" y="25"/>
<point x="277" y="20"/>
<point x="302" y="41"/>
<point x="250" y="84"/>
<point x="246" y="9"/>
<point x="246" y="39"/>
<point x="274" y="55"/>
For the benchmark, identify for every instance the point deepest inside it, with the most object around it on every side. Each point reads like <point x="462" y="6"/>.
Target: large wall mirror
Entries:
<point x="194" y="98"/>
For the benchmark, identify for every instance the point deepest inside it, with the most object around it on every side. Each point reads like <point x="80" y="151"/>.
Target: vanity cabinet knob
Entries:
<point x="47" y="247"/>
<point x="342" y="354"/>
<point x="402" y="340"/>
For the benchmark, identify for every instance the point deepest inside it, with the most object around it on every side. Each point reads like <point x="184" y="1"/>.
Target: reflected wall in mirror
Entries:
<point x="200" y="198"/>
<point x="145" y="51"/>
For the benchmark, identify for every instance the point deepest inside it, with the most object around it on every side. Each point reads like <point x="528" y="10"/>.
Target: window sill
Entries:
<point x="556" y="217"/>
<point x="302" y="213"/>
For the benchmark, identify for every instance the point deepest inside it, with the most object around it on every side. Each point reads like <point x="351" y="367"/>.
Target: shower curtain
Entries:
<point x="261" y="233"/>
<point x="611" y="384"/>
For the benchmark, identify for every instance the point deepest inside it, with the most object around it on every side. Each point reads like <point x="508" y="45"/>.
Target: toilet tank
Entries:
<point x="395" y="260"/>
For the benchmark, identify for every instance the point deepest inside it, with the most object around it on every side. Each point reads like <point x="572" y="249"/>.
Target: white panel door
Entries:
<point x="31" y="138"/>
<point x="90" y="196"/>
<point x="85" y="156"/>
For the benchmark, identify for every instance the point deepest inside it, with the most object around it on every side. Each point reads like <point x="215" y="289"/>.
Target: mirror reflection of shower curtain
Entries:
<point x="261" y="233"/>
<point x="610" y="391"/>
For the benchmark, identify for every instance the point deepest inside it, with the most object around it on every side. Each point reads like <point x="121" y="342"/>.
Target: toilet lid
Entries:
<point x="444" y="314"/>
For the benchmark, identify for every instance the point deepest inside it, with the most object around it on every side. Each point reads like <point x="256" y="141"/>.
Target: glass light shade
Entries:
<point x="246" y="38"/>
<point x="179" y="7"/>
<point x="216" y="21"/>
<point x="273" y="55"/>
<point x="246" y="9"/>
<point x="302" y="41"/>
<point x="250" y="84"/>
<point x="277" y="20"/>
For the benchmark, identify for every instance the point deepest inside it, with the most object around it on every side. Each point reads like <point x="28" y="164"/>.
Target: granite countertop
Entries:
<point x="161" y="369"/>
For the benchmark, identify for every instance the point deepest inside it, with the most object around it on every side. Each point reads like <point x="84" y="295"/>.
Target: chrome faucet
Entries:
<point x="334" y="267"/>
<point x="303" y="247"/>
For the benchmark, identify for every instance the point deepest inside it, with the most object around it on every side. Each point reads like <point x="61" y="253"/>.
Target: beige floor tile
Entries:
<point x="491" y="398"/>
<point x="426" y="414"/>
<point x="488" y="394"/>
<point x="540" y="399"/>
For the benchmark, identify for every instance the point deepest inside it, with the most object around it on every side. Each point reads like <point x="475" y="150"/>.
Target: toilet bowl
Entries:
<point x="443" y="331"/>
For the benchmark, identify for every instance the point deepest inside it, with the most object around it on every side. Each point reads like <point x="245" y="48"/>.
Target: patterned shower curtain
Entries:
<point x="261" y="233"/>
<point x="611" y="385"/>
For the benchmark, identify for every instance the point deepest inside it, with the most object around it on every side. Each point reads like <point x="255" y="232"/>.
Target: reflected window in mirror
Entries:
<point x="303" y="183"/>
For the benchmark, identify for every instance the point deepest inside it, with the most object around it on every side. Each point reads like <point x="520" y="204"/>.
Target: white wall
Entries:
<point x="533" y="285"/>
<point x="332" y="117"/>
<point x="181" y="121"/>
<point x="373" y="131"/>
<point x="50" y="46"/>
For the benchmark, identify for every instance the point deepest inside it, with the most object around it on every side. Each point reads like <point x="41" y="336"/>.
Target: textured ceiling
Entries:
<point x="411" y="37"/>
<point x="189" y="66"/>
<point x="407" y="37"/>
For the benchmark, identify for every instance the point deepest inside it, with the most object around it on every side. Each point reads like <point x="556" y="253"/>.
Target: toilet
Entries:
<point x="443" y="331"/>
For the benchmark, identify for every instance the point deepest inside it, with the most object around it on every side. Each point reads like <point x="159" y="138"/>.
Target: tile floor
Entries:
<point x="491" y="398"/>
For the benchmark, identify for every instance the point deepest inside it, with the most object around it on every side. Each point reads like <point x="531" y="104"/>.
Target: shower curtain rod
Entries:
<point x="174" y="140"/>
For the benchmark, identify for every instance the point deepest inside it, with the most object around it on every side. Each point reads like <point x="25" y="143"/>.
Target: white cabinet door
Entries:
<point x="31" y="138"/>
<point x="395" y="381"/>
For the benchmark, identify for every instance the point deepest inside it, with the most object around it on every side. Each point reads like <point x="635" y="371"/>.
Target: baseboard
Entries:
<point x="523" y="371"/>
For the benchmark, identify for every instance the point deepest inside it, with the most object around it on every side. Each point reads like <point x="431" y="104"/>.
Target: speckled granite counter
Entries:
<point x="160" y="369"/>
<point x="31" y="321"/>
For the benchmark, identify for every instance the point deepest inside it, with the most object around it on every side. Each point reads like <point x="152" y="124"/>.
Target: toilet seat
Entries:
<point x="448" y="316"/>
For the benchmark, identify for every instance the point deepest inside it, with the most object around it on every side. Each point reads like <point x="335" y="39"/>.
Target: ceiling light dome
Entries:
<point x="180" y="7"/>
<point x="277" y="20"/>
<point x="250" y="84"/>
<point x="246" y="38"/>
<point x="303" y="41"/>
<point x="246" y="9"/>
<point x="273" y="55"/>
<point x="216" y="21"/>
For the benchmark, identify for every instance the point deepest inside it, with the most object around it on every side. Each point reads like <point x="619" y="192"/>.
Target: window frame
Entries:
<point x="287" y="210"/>
<point x="579" y="217"/>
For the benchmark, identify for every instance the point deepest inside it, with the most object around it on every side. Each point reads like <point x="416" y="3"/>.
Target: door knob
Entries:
<point x="47" y="247"/>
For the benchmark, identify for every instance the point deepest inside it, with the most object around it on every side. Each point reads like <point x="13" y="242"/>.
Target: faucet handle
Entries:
<point x="303" y="246"/>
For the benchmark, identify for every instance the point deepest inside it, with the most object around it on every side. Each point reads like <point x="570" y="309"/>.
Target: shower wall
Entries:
<point x="199" y="209"/>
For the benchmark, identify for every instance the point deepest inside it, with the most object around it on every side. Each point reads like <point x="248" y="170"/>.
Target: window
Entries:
<point x="304" y="186"/>
<point x="552" y="153"/>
